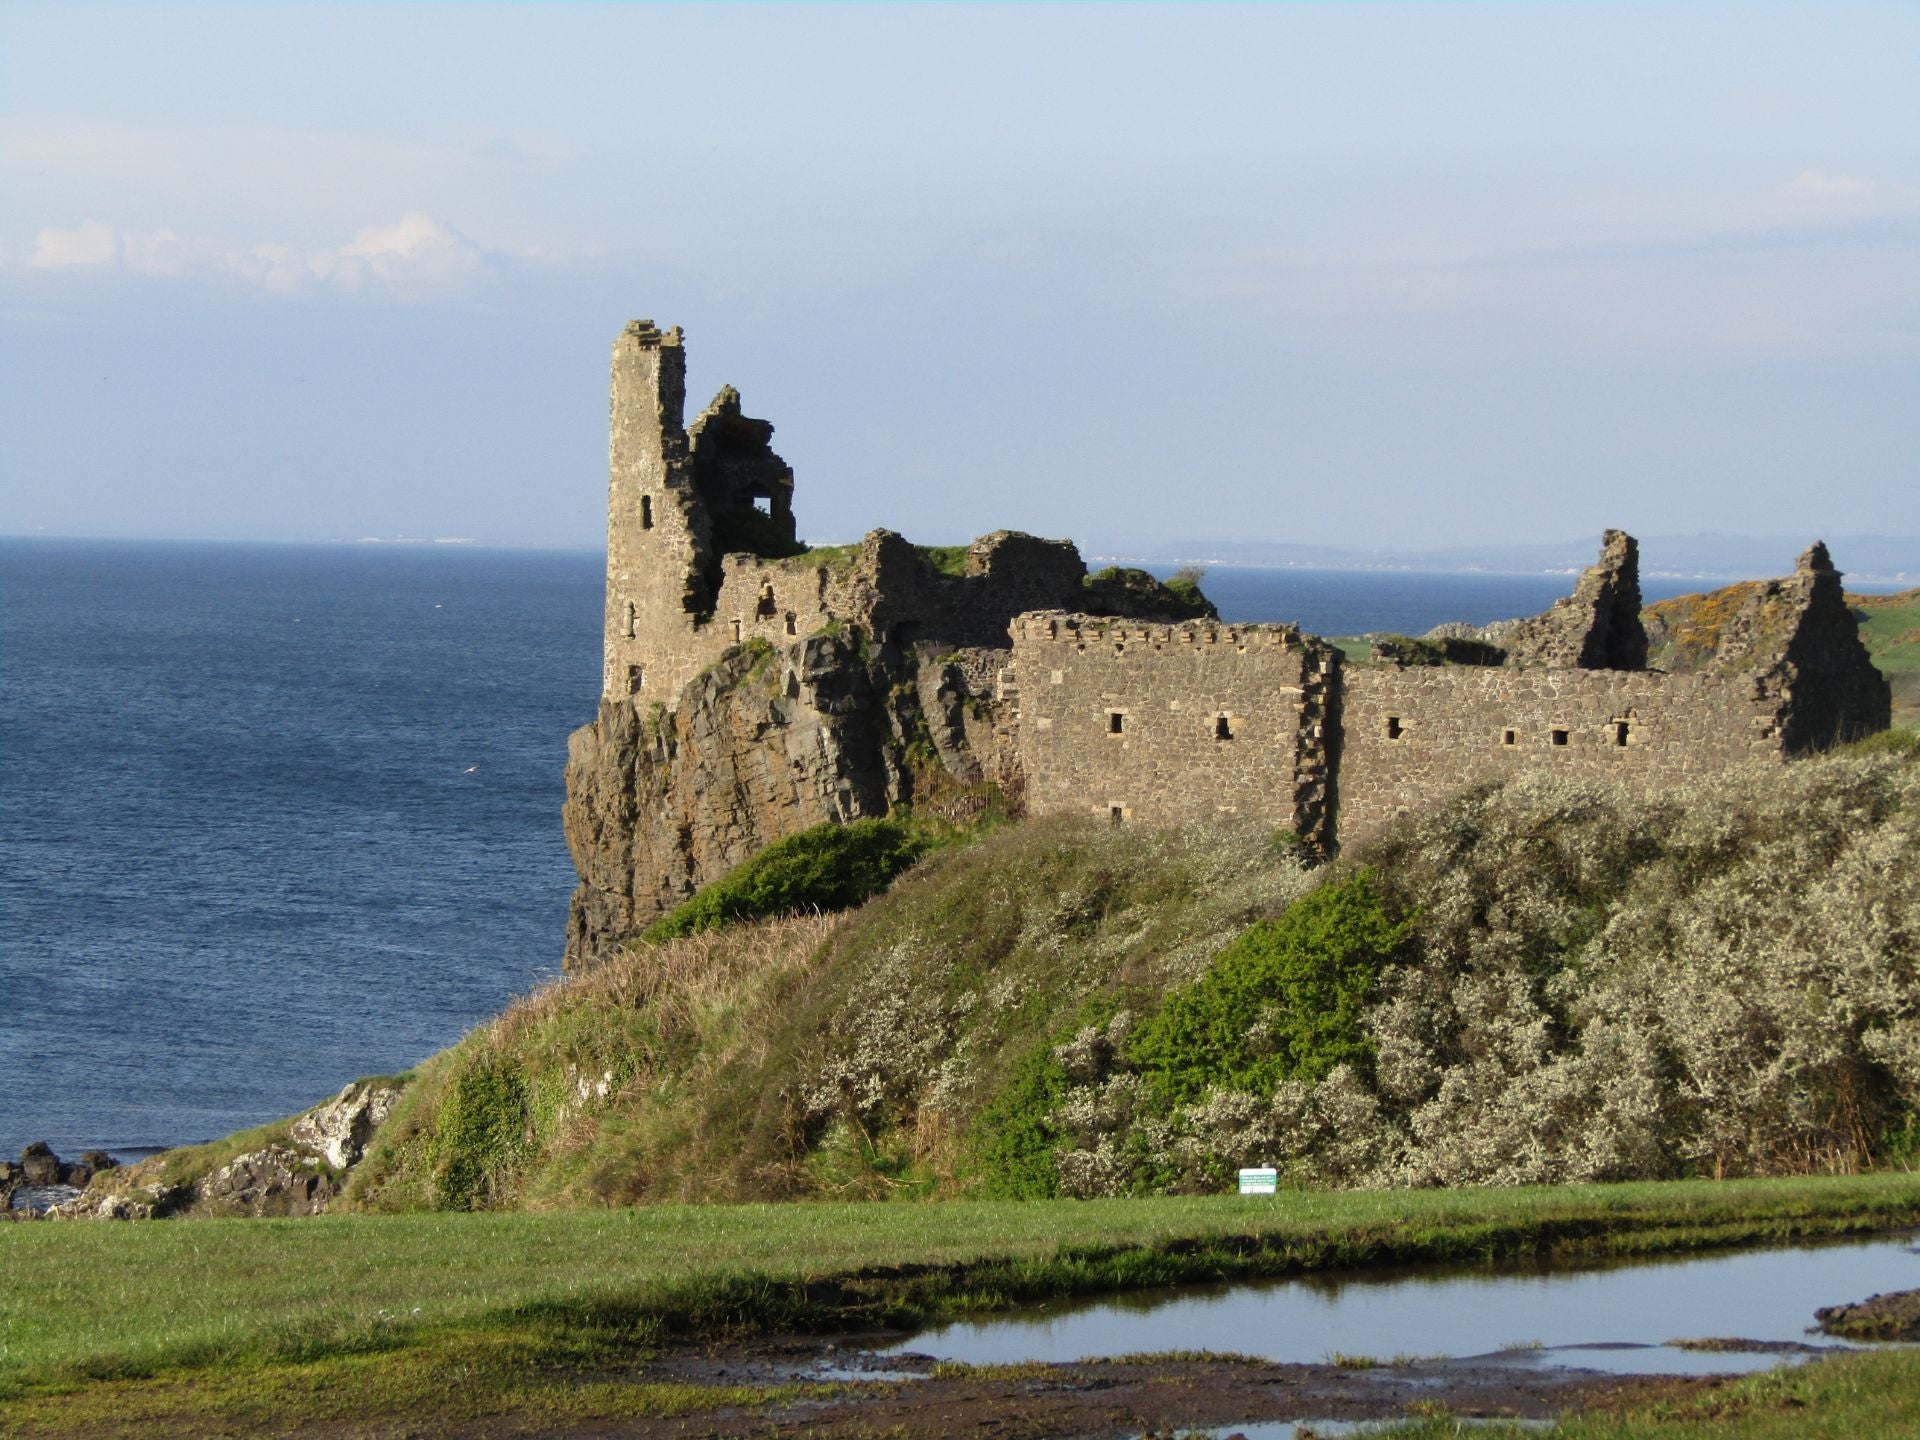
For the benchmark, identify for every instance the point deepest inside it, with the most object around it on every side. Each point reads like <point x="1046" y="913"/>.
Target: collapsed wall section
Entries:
<point x="1161" y="724"/>
<point x="1411" y="736"/>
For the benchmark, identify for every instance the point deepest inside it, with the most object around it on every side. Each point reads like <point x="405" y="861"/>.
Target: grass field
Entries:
<point x="1890" y="626"/>
<point x="356" y="1315"/>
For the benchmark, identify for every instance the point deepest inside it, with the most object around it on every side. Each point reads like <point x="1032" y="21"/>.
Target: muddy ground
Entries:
<point x="1893" y="1316"/>
<point x="907" y="1397"/>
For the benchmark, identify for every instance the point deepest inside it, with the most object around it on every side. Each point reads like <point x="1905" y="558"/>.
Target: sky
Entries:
<point x="1380" y="276"/>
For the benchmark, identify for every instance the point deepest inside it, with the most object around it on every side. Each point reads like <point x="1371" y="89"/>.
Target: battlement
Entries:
<point x="1078" y="630"/>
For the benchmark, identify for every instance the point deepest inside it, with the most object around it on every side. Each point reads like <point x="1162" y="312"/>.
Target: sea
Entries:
<point x="273" y="817"/>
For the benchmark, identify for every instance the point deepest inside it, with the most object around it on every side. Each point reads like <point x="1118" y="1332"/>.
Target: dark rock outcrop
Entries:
<point x="765" y="743"/>
<point x="39" y="1165"/>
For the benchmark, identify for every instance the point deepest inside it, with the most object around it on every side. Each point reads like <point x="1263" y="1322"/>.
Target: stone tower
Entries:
<point x="656" y="539"/>
<point x="679" y="499"/>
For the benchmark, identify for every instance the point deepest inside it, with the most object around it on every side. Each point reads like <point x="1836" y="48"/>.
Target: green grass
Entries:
<point x="950" y="560"/>
<point x="1890" y="626"/>
<point x="210" y="1316"/>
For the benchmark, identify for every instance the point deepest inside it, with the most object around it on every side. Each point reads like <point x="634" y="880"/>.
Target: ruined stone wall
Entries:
<point x="1159" y="724"/>
<point x="1412" y="736"/>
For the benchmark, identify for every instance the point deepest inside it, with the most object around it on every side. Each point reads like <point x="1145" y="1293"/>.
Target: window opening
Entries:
<point x="633" y="616"/>
<point x="1222" y="728"/>
<point x="736" y="632"/>
<point x="1559" y="737"/>
<point x="1509" y="737"/>
<point x="1116" y="723"/>
<point x="1619" y="732"/>
<point x="636" y="677"/>
<point x="763" y="504"/>
<point x="792" y="627"/>
<point x="1393" y="727"/>
<point x="1116" y="814"/>
<point x="646" y="512"/>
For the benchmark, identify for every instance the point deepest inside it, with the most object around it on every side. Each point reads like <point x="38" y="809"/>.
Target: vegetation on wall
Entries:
<point x="1125" y="591"/>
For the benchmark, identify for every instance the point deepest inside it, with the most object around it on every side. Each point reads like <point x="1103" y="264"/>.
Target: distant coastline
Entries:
<point x="1892" y="561"/>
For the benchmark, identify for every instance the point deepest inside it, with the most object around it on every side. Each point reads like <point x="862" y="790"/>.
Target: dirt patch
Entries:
<point x="1893" y="1316"/>
<point x="908" y="1397"/>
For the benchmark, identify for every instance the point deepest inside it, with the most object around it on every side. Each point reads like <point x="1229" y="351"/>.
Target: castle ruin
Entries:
<point x="753" y="687"/>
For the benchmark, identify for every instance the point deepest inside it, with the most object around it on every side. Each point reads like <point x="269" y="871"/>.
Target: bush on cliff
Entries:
<point x="828" y="867"/>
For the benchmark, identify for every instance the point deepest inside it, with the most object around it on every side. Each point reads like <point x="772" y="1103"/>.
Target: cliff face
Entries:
<point x="766" y="742"/>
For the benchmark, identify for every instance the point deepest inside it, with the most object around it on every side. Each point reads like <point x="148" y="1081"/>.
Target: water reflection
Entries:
<point x="1616" y="1318"/>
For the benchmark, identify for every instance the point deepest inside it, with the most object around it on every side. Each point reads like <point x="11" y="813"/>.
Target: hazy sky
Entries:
<point x="1401" y="275"/>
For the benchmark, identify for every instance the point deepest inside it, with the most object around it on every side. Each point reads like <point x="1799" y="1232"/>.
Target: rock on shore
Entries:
<point x="299" y="1175"/>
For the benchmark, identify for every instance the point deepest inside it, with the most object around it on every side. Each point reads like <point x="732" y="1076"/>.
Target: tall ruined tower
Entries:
<point x="679" y="498"/>
<point x="653" y="542"/>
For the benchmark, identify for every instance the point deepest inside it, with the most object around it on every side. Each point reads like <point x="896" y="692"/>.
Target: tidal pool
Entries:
<point x="1615" y="1317"/>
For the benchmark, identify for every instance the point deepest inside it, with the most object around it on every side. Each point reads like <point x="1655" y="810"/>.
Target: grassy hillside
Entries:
<point x="1535" y="983"/>
<point x="1890" y="625"/>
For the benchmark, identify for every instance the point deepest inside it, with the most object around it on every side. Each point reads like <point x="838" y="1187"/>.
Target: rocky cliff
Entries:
<point x="769" y="740"/>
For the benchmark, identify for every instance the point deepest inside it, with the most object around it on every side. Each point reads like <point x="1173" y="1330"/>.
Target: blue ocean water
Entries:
<point x="276" y="816"/>
<point x="272" y="817"/>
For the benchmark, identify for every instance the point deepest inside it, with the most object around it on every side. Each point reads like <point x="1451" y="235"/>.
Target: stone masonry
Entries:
<point x="753" y="689"/>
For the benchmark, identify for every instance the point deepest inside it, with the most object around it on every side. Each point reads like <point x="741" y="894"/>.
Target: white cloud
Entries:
<point x="91" y="244"/>
<point x="413" y="259"/>
<point x="417" y="258"/>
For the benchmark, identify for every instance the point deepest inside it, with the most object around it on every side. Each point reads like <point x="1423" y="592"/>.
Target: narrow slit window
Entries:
<point x="1559" y="737"/>
<point x="646" y="512"/>
<point x="1116" y="814"/>
<point x="1116" y="724"/>
<point x="1394" y="730"/>
<point x="636" y="677"/>
<point x="633" y="618"/>
<point x="1620" y="732"/>
<point x="1509" y="737"/>
<point x="1222" y="728"/>
<point x="792" y="627"/>
<point x="736" y="632"/>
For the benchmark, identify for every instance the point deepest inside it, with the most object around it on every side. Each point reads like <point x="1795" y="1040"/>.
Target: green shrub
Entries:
<point x="1016" y="1142"/>
<point x="829" y="867"/>
<point x="481" y="1128"/>
<point x="1282" y="1002"/>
